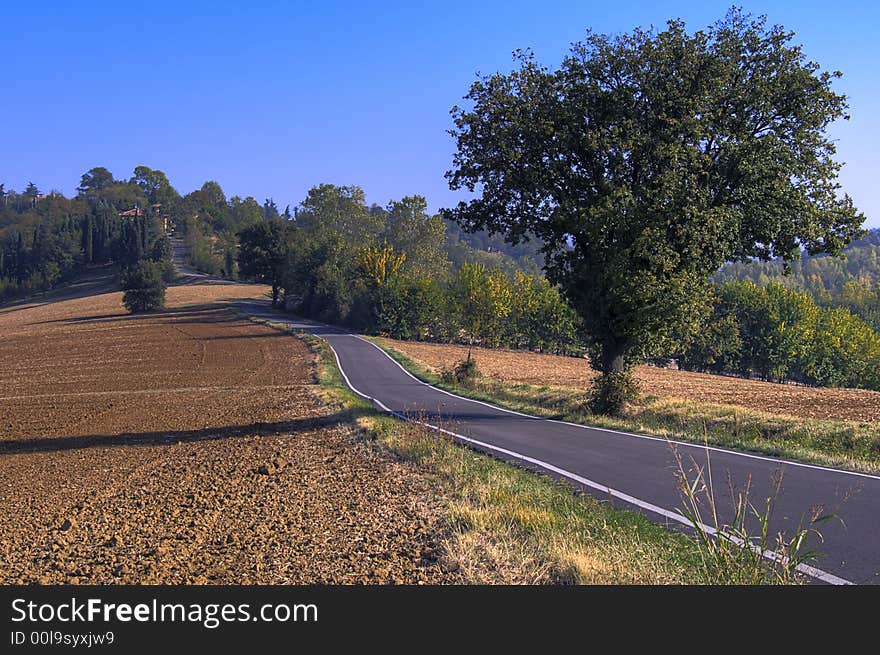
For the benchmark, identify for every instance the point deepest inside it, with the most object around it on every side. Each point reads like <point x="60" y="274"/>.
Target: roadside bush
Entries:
<point x="462" y="372"/>
<point x="610" y="392"/>
<point x="144" y="287"/>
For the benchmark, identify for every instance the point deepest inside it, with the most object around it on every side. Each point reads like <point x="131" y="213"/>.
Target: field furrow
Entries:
<point x="187" y="446"/>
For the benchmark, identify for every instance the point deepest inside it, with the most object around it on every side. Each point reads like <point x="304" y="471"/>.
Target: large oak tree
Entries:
<point x="649" y="159"/>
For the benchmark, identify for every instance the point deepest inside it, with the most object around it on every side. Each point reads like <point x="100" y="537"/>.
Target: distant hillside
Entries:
<point x="851" y="281"/>
<point x="492" y="250"/>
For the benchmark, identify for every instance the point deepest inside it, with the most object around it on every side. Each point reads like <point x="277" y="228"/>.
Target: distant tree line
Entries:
<point x="209" y="224"/>
<point x="779" y="334"/>
<point x="387" y="271"/>
<point x="851" y="282"/>
<point x="400" y="271"/>
<point x="492" y="250"/>
<point x="46" y="239"/>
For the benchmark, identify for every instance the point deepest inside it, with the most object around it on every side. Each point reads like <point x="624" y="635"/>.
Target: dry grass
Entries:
<point x="523" y="528"/>
<point x="666" y="384"/>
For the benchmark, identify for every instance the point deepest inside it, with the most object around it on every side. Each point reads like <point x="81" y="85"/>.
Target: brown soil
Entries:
<point x="187" y="446"/>
<point x="553" y="370"/>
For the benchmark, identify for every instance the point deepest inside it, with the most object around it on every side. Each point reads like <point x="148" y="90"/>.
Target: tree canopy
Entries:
<point x="646" y="161"/>
<point x="262" y="254"/>
<point x="94" y="181"/>
<point x="155" y="185"/>
<point x="144" y="287"/>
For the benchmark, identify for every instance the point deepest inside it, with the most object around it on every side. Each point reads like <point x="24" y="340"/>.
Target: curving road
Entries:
<point x="631" y="470"/>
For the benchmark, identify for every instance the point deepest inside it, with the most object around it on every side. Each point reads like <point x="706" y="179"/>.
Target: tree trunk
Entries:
<point x="614" y="388"/>
<point x="612" y="358"/>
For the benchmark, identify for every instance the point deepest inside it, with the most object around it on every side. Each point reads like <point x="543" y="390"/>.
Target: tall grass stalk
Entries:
<point x="744" y="550"/>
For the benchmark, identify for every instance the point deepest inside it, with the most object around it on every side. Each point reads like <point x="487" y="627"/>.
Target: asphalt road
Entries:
<point x="632" y="471"/>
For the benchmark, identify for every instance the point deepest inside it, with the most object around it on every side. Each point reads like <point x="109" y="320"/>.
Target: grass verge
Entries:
<point x="513" y="526"/>
<point x="852" y="445"/>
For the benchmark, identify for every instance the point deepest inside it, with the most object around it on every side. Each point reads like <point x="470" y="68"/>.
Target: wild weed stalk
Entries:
<point x="744" y="550"/>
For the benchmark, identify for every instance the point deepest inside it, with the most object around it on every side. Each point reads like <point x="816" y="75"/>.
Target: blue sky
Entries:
<point x="271" y="98"/>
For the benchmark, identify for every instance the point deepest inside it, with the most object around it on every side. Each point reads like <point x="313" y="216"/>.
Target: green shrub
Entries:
<point x="169" y="272"/>
<point x="611" y="391"/>
<point x="462" y="372"/>
<point x="144" y="287"/>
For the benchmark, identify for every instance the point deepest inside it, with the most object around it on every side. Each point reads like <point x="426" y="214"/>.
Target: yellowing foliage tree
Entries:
<point x="380" y="264"/>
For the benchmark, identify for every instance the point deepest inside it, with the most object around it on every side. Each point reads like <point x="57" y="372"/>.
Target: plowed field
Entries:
<point x="186" y="446"/>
